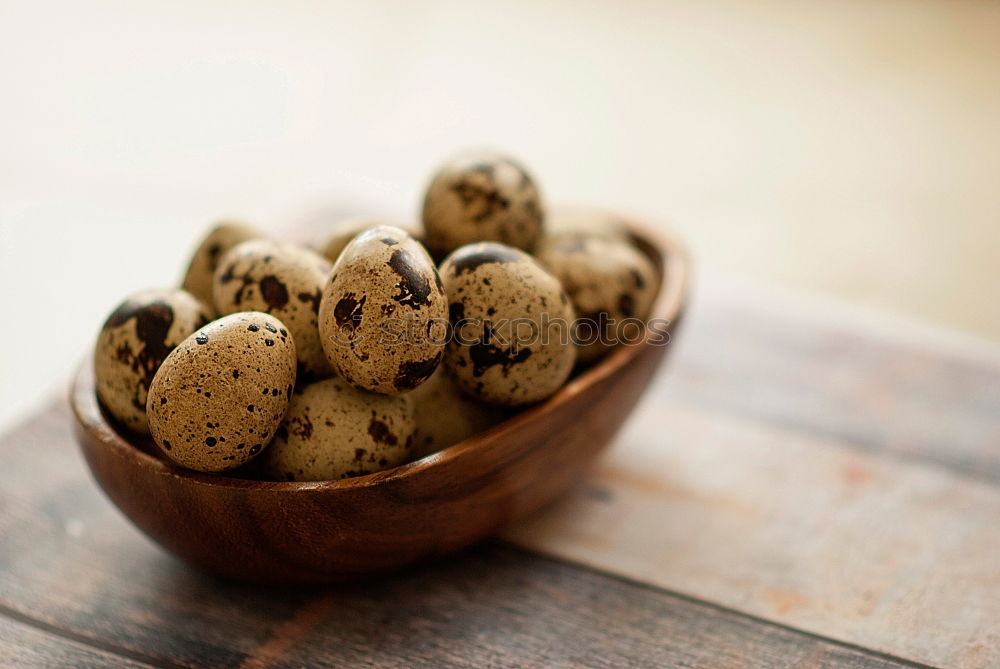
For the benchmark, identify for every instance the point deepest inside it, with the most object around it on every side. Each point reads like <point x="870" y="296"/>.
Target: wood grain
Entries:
<point x="74" y="564"/>
<point x="26" y="646"/>
<point x="800" y="364"/>
<point x="891" y="554"/>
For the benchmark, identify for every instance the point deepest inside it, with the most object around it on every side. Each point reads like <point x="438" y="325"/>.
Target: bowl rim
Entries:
<point x="672" y="260"/>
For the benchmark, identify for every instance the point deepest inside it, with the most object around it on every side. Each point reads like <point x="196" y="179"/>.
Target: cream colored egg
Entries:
<point x="346" y="230"/>
<point x="133" y="343"/>
<point x="512" y="323"/>
<point x="445" y="415"/>
<point x="481" y="196"/>
<point x="221" y="394"/>
<point x="333" y="431"/>
<point x="198" y="279"/>
<point x="383" y="318"/>
<point x="283" y="280"/>
<point x="611" y="284"/>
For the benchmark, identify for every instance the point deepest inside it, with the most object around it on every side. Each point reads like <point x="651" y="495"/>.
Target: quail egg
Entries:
<point x="481" y="196"/>
<point x="511" y="325"/>
<point x="346" y="230"/>
<point x="218" y="398"/>
<point x="132" y="344"/>
<point x="333" y="430"/>
<point x="283" y="280"/>
<point x="383" y="318"/>
<point x="445" y="415"/>
<point x="563" y="220"/>
<point x="198" y="279"/>
<point x="611" y="284"/>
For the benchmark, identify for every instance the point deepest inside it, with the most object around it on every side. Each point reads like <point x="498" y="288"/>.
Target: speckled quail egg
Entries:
<point x="383" y="319"/>
<point x="445" y="415"/>
<point x="333" y="430"/>
<point x="481" y="196"/>
<point x="283" y="280"/>
<point x="511" y="325"/>
<point x="132" y="344"/>
<point x="346" y="230"/>
<point x="198" y="279"/>
<point x="611" y="284"/>
<point x="563" y="220"/>
<point x="218" y="398"/>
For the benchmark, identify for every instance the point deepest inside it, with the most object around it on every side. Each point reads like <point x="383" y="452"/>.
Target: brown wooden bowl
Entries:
<point x="281" y="532"/>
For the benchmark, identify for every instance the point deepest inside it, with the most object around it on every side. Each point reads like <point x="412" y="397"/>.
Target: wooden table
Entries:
<point x="797" y="490"/>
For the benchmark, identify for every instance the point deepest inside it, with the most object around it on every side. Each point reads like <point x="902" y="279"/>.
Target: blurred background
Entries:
<point x="848" y="149"/>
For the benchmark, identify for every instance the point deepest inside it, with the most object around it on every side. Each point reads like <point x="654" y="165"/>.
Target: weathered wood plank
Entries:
<point x="25" y="646"/>
<point x="69" y="561"/>
<point x="497" y="607"/>
<point x="900" y="556"/>
<point x="794" y="362"/>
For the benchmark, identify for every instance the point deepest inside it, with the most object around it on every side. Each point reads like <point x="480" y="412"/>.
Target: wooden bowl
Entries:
<point x="281" y="532"/>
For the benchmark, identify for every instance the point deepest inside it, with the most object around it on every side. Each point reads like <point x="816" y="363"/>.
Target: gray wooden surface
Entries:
<point x="792" y="493"/>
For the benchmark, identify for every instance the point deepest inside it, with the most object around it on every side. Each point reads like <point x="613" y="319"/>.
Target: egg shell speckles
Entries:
<point x="335" y="431"/>
<point x="610" y="282"/>
<point x="133" y="343"/>
<point x="383" y="317"/>
<point x="221" y="394"/>
<point x="445" y="415"/>
<point x="346" y="230"/>
<point x="512" y="323"/>
<point x="198" y="280"/>
<point x="283" y="280"/>
<point x="481" y="196"/>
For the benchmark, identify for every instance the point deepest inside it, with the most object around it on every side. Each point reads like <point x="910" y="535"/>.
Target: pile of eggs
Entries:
<point x="303" y="365"/>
